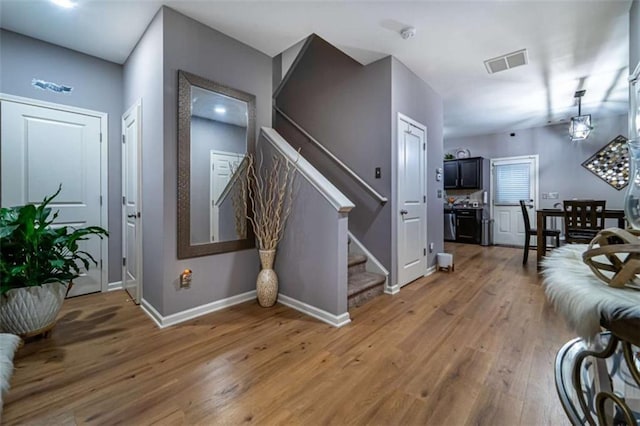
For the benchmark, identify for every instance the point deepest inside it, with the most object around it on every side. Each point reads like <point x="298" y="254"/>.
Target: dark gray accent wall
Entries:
<point x="201" y="50"/>
<point x="97" y="85"/>
<point x="143" y="80"/>
<point x="560" y="160"/>
<point x="347" y="107"/>
<point x="634" y="35"/>
<point x="414" y="98"/>
<point x="311" y="259"/>
<point x="207" y="135"/>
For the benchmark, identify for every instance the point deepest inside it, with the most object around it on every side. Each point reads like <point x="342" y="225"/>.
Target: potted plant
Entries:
<point x="270" y="197"/>
<point x="37" y="265"/>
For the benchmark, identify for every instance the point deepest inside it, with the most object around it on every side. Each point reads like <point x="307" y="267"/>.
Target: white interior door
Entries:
<point x="412" y="209"/>
<point x="131" y="202"/>
<point x="223" y="164"/>
<point x="43" y="148"/>
<point x="513" y="179"/>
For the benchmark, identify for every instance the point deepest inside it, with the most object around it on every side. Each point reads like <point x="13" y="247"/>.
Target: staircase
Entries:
<point x="362" y="285"/>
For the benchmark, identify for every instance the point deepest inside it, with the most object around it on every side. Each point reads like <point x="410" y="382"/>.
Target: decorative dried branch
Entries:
<point x="270" y="194"/>
<point x="239" y="197"/>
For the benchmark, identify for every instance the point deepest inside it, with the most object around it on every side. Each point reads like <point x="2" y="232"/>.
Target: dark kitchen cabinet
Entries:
<point x="450" y="174"/>
<point x="463" y="174"/>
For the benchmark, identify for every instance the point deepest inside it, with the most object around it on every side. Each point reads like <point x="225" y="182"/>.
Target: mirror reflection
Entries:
<point x="218" y="147"/>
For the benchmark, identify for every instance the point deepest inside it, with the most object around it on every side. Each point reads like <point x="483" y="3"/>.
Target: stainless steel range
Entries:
<point x="449" y="224"/>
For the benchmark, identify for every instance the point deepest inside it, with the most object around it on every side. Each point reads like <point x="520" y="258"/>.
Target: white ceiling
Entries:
<point x="204" y="103"/>
<point x="571" y="45"/>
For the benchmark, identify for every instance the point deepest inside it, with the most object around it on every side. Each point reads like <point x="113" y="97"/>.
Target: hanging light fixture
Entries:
<point x="580" y="126"/>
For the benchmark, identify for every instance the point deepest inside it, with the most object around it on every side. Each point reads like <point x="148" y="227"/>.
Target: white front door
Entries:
<point x="223" y="165"/>
<point x="412" y="208"/>
<point x="513" y="179"/>
<point x="43" y="148"/>
<point x="131" y="202"/>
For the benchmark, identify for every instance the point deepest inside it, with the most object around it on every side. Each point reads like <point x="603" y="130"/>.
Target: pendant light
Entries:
<point x="580" y="126"/>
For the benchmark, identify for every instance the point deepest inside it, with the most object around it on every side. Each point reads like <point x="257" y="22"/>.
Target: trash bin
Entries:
<point x="487" y="232"/>
<point x="445" y="261"/>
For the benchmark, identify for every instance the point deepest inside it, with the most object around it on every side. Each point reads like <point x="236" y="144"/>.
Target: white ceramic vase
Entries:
<point x="29" y="311"/>
<point x="267" y="282"/>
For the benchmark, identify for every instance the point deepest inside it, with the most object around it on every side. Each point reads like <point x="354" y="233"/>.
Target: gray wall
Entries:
<point x="143" y="80"/>
<point x="347" y="107"/>
<point x="414" y="98"/>
<point x="198" y="49"/>
<point x="207" y="135"/>
<point x="97" y="85"/>
<point x="311" y="262"/>
<point x="634" y="35"/>
<point x="560" y="160"/>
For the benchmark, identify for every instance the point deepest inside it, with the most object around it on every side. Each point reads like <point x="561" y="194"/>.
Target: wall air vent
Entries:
<point x="508" y="61"/>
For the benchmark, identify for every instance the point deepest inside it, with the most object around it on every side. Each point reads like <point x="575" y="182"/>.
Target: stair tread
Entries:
<point x="356" y="259"/>
<point x="363" y="281"/>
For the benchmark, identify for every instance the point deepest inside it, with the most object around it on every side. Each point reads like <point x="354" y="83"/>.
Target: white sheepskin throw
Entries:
<point x="8" y="345"/>
<point x="578" y="295"/>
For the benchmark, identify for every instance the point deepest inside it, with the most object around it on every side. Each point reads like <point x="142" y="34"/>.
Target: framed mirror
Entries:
<point x="216" y="130"/>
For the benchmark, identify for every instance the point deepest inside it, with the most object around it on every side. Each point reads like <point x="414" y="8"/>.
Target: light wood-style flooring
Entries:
<point x="475" y="346"/>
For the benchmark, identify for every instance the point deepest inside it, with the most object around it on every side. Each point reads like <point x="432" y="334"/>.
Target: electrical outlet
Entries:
<point x="439" y="193"/>
<point x="431" y="246"/>
<point x="378" y="173"/>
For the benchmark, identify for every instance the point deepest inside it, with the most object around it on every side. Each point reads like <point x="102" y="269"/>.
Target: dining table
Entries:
<point x="543" y="214"/>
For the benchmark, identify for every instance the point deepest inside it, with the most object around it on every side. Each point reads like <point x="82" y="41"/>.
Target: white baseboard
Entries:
<point x="151" y="312"/>
<point x="189" y="314"/>
<point x="312" y="311"/>
<point x="393" y="289"/>
<point x="116" y="285"/>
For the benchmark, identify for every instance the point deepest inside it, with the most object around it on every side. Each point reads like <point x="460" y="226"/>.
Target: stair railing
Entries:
<point x="383" y="200"/>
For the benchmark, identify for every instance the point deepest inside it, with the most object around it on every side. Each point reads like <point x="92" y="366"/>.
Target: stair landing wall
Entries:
<point x="311" y="261"/>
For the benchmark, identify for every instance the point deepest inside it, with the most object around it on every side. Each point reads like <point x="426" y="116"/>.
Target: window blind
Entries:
<point x="512" y="183"/>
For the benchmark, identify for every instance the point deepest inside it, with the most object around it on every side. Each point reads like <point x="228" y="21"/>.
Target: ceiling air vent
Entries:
<point x="508" y="61"/>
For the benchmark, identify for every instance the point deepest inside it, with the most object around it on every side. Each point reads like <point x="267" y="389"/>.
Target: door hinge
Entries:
<point x="424" y="251"/>
<point x="101" y="200"/>
<point x="424" y="198"/>
<point x="100" y="137"/>
<point x="424" y="146"/>
<point x="100" y="263"/>
<point x="124" y="261"/>
<point x="123" y="201"/>
<point x="122" y="138"/>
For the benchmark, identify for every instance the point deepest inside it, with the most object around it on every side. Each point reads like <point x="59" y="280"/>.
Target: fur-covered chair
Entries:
<point x="9" y="343"/>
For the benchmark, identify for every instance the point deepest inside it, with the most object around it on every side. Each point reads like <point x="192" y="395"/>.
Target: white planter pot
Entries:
<point x="28" y="311"/>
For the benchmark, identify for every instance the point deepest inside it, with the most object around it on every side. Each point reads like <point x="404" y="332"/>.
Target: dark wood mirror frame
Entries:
<point x="185" y="82"/>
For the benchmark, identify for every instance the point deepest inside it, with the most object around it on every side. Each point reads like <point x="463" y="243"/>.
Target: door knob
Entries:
<point x="403" y="212"/>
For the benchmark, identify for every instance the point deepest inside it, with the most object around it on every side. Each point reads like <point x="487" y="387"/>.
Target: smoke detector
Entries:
<point x="506" y="62"/>
<point x="408" y="33"/>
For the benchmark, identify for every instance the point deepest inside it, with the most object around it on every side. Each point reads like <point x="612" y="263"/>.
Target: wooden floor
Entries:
<point x="475" y="346"/>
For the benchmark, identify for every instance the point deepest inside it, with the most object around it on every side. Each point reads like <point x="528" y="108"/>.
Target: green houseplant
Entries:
<point x="38" y="262"/>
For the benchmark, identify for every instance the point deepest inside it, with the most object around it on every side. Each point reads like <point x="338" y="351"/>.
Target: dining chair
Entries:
<point x="533" y="232"/>
<point x="583" y="219"/>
